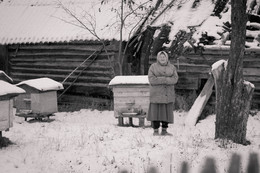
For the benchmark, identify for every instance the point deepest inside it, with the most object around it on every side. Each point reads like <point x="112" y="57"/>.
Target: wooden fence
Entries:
<point x="209" y="166"/>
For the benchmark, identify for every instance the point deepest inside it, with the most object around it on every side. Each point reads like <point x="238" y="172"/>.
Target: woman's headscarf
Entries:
<point x="164" y="53"/>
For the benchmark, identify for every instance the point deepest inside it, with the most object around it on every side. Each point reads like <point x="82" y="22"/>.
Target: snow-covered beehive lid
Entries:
<point x="42" y="84"/>
<point x="9" y="89"/>
<point x="121" y="80"/>
<point x="5" y="77"/>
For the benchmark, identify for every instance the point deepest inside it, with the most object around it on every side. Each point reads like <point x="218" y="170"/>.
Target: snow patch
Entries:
<point x="249" y="84"/>
<point x="219" y="63"/>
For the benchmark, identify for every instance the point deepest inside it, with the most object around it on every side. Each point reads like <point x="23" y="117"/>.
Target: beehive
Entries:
<point x="7" y="93"/>
<point x="131" y="95"/>
<point x="40" y="96"/>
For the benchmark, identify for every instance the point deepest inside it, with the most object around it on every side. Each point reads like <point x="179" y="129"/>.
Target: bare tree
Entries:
<point x="129" y="9"/>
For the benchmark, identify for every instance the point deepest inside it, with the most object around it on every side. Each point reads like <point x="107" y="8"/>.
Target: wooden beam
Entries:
<point x="200" y="103"/>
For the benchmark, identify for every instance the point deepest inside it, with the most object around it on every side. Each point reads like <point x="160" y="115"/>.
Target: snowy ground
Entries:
<point x="91" y="141"/>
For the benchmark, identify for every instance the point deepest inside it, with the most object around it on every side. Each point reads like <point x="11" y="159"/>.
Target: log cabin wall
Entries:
<point x="58" y="60"/>
<point x="193" y="69"/>
<point x="3" y="58"/>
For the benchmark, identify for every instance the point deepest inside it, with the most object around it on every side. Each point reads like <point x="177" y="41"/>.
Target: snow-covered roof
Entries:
<point x="199" y="14"/>
<point x="7" y="88"/>
<point x="5" y="77"/>
<point x="40" y="21"/>
<point x="36" y="21"/>
<point x="118" y="80"/>
<point x="42" y="84"/>
<point x="181" y="14"/>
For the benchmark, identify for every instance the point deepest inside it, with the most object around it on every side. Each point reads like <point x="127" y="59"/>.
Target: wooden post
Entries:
<point x="200" y="103"/>
<point x="253" y="164"/>
<point x="209" y="166"/>
<point x="234" y="166"/>
<point x="131" y="121"/>
<point x="141" y="122"/>
<point x="217" y="72"/>
<point x="120" y="121"/>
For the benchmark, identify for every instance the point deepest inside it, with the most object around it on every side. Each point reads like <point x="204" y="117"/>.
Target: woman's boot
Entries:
<point x="156" y="132"/>
<point x="165" y="133"/>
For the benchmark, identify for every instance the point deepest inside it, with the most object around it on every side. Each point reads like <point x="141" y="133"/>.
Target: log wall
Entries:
<point x="58" y="60"/>
<point x="3" y="58"/>
<point x="193" y="69"/>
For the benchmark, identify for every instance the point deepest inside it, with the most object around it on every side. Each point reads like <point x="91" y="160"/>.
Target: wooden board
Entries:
<point x="45" y="102"/>
<point x="22" y="102"/>
<point x="200" y="103"/>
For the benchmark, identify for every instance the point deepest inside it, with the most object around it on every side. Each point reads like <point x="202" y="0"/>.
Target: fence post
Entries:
<point x="253" y="164"/>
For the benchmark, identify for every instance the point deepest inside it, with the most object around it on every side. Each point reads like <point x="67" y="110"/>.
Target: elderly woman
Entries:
<point x="162" y="76"/>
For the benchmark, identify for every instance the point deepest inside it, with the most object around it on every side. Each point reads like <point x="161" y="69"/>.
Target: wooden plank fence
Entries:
<point x="209" y="166"/>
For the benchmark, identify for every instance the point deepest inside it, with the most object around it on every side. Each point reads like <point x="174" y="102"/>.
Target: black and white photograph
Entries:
<point x="130" y="86"/>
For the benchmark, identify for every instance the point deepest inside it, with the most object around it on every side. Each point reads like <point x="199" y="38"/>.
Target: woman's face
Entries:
<point x="162" y="59"/>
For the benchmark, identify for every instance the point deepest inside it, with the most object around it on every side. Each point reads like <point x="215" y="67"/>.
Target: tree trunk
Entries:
<point x="145" y="50"/>
<point x="121" y="58"/>
<point x="160" y="39"/>
<point x="233" y="99"/>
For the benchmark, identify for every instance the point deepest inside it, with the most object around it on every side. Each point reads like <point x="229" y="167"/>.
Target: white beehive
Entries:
<point x="40" y="96"/>
<point x="7" y="93"/>
<point x="131" y="96"/>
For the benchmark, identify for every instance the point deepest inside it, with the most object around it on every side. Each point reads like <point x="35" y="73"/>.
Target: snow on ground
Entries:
<point x="91" y="141"/>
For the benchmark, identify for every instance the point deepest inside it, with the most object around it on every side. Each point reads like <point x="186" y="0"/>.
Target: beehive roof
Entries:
<point x="5" y="77"/>
<point x="42" y="84"/>
<point x="7" y="88"/>
<point x="118" y="80"/>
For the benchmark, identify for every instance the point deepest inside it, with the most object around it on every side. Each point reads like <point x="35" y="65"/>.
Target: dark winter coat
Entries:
<point x="162" y="79"/>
